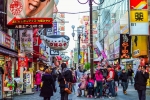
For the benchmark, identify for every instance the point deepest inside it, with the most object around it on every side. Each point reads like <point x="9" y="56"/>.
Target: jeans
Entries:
<point x="142" y="94"/>
<point x="112" y="88"/>
<point x="99" y="87"/>
<point x="131" y="79"/>
<point x="125" y="85"/>
<point x="47" y="98"/>
<point x="73" y="87"/>
<point x="64" y="96"/>
<point x="90" y="91"/>
<point x="37" y="87"/>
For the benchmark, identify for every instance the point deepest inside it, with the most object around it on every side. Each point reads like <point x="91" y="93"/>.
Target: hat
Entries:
<point x="108" y="66"/>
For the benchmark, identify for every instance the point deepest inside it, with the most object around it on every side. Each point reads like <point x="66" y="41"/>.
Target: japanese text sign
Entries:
<point x="138" y="4"/>
<point x="55" y="28"/>
<point x="139" y="22"/>
<point x="125" y="42"/>
<point x="25" y="12"/>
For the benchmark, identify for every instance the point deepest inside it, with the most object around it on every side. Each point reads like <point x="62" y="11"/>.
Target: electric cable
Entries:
<point x="93" y="10"/>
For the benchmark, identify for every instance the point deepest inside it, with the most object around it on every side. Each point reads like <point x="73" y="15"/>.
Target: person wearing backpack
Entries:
<point x="99" y="79"/>
<point x="90" y="86"/>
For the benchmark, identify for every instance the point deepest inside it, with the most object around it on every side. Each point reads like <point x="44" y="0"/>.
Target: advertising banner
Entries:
<point x="125" y="46"/>
<point x="82" y="57"/>
<point x="99" y="46"/>
<point x="12" y="44"/>
<point x="22" y="62"/>
<point x="27" y="12"/>
<point x="26" y="40"/>
<point x="7" y="40"/>
<point x="139" y="46"/>
<point x="138" y="4"/>
<point x="55" y="28"/>
<point x="75" y="56"/>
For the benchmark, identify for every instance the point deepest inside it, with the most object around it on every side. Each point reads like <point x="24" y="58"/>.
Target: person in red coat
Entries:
<point x="38" y="80"/>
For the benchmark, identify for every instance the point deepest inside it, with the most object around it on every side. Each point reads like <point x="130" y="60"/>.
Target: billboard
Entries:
<point x="29" y="12"/>
<point x="139" y="46"/>
<point x="125" y="46"/>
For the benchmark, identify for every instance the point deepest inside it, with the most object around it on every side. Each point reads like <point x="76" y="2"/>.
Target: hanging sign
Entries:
<point x="138" y="4"/>
<point x="22" y="62"/>
<point x="64" y="58"/>
<point x="125" y="43"/>
<point x="139" y="24"/>
<point x="54" y="52"/>
<point x="56" y="42"/>
<point x="7" y="40"/>
<point x="55" y="28"/>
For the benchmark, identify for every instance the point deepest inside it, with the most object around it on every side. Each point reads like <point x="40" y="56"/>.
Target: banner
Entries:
<point x="26" y="40"/>
<point x="139" y="46"/>
<point x="23" y="12"/>
<point x="82" y="59"/>
<point x="125" y="43"/>
<point x="101" y="49"/>
<point x="116" y="48"/>
<point x="75" y="55"/>
<point x="22" y="62"/>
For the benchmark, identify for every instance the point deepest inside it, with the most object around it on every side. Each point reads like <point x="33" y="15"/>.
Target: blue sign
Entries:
<point x="80" y="56"/>
<point x="55" y="28"/>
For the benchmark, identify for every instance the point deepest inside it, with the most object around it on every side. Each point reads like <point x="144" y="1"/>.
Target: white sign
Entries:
<point x="54" y="52"/>
<point x="139" y="28"/>
<point x="12" y="45"/>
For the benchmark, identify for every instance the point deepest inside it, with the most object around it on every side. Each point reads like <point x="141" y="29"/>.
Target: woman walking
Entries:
<point x="48" y="85"/>
<point x="38" y="80"/>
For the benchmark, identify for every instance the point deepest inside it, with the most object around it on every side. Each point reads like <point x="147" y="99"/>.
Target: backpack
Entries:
<point x="90" y="85"/>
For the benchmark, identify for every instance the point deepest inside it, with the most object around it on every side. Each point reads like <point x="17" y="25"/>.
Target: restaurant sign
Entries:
<point x="125" y="42"/>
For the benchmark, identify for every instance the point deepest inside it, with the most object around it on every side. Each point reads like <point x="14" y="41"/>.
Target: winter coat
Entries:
<point x="38" y="79"/>
<point x="140" y="80"/>
<point x="98" y="76"/>
<point x="61" y="83"/>
<point x="124" y="77"/>
<point x="48" y="86"/>
<point x="67" y="74"/>
<point x="83" y="83"/>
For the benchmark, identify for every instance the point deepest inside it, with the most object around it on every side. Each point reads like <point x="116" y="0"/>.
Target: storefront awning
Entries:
<point x="8" y="52"/>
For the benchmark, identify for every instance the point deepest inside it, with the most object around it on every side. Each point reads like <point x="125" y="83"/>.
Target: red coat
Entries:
<point x="38" y="79"/>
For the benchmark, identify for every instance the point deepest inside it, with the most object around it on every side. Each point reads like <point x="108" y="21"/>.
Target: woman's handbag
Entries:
<point x="95" y="84"/>
<point x="67" y="89"/>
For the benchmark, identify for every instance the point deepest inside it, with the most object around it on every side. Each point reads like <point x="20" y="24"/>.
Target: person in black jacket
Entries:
<point x="65" y="76"/>
<point x="124" y="79"/>
<point x="130" y="74"/>
<point x="140" y="82"/>
<point x="48" y="85"/>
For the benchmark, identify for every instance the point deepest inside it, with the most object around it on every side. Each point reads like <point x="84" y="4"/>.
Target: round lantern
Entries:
<point x="56" y="42"/>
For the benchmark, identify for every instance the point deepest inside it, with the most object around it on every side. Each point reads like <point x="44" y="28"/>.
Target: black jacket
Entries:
<point x="130" y="72"/>
<point x="48" y="86"/>
<point x="116" y="78"/>
<point x="124" y="77"/>
<point x="140" y="80"/>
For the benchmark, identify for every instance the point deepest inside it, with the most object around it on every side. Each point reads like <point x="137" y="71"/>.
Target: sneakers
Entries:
<point x="125" y="92"/>
<point x="91" y="96"/>
<point x="87" y="96"/>
<point x="95" y="97"/>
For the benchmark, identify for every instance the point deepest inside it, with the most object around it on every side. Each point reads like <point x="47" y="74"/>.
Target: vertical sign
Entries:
<point x="139" y="24"/>
<point x="55" y="28"/>
<point x="125" y="43"/>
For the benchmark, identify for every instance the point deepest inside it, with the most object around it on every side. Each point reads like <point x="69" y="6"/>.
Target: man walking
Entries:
<point x="130" y="75"/>
<point x="140" y="83"/>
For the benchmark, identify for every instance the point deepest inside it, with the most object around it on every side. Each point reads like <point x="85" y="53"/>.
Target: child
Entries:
<point x="82" y="85"/>
<point x="90" y="86"/>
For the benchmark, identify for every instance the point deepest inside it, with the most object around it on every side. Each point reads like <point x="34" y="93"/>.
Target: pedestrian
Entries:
<point x="65" y="77"/>
<point x="99" y="81"/>
<point x="140" y="82"/>
<point x="74" y="80"/>
<point x="90" y="86"/>
<point x="38" y="80"/>
<point x="124" y="80"/>
<point x="110" y="80"/>
<point x="130" y="75"/>
<point x="116" y="78"/>
<point x="48" y="86"/>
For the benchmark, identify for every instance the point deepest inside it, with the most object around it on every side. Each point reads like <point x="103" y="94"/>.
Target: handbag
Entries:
<point x="95" y="84"/>
<point x="67" y="88"/>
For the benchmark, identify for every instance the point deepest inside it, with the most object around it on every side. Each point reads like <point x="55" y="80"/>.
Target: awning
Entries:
<point x="8" y="52"/>
<point x="58" y="58"/>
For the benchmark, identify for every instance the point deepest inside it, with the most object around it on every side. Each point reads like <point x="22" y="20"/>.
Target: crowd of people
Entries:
<point x="103" y="83"/>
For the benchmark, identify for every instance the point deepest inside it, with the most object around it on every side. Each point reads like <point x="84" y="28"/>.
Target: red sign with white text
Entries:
<point x="22" y="62"/>
<point x="138" y="4"/>
<point x="7" y="41"/>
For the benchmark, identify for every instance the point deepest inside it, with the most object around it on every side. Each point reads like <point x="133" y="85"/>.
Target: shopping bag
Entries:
<point x="41" y="84"/>
<point x="95" y="84"/>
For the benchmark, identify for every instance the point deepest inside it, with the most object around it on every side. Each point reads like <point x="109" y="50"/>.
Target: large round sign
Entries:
<point x="56" y="42"/>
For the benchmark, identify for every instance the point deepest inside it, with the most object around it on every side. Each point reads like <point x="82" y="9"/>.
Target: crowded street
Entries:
<point x="131" y="95"/>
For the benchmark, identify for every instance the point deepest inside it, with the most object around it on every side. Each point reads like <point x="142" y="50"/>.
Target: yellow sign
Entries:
<point x="139" y="46"/>
<point x="139" y="16"/>
<point x="82" y="59"/>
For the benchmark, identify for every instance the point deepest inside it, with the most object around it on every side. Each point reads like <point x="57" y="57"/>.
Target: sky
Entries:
<point x="71" y="6"/>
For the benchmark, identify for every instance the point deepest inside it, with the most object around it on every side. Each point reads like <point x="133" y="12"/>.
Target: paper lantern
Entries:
<point x="56" y="42"/>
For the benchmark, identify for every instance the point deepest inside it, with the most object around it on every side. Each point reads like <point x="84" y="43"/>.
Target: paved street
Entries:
<point x="132" y="95"/>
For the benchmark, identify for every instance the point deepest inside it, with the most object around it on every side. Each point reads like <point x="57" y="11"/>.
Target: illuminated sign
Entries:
<point x="125" y="42"/>
<point x="139" y="24"/>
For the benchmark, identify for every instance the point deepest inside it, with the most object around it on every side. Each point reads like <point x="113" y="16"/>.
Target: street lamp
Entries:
<point x="91" y="31"/>
<point x="79" y="34"/>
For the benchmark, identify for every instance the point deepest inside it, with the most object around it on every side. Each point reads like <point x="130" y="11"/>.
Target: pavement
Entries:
<point x="131" y="95"/>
